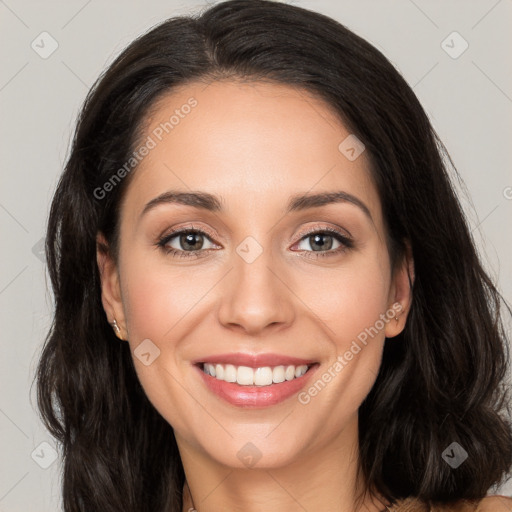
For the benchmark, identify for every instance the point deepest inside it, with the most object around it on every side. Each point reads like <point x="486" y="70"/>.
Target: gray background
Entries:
<point x="468" y="98"/>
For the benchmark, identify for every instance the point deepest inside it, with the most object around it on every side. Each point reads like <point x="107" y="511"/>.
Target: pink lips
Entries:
<point x="255" y="396"/>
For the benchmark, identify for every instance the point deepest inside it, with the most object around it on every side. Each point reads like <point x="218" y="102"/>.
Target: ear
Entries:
<point x="400" y="297"/>
<point x="110" y="286"/>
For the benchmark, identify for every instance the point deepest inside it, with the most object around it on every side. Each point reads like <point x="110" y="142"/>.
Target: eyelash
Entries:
<point x="346" y="243"/>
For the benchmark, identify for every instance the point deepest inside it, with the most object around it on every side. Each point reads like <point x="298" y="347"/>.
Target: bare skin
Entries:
<point x="254" y="146"/>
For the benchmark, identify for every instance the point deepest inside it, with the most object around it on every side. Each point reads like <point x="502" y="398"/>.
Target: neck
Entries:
<point x="322" y="479"/>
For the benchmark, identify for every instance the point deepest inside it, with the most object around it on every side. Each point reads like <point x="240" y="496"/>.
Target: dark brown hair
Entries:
<point x="441" y="379"/>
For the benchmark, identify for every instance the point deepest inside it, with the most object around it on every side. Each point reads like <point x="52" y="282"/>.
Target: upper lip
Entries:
<point x="254" y="360"/>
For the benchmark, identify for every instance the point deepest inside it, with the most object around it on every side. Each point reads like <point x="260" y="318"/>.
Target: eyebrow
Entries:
<point x="298" y="202"/>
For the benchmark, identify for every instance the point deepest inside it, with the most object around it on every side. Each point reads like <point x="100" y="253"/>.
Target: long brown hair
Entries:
<point x="441" y="380"/>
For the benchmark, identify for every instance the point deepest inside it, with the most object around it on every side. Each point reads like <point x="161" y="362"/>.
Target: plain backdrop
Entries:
<point x="467" y="92"/>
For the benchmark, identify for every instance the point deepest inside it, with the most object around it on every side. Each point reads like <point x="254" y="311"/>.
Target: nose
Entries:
<point x="255" y="297"/>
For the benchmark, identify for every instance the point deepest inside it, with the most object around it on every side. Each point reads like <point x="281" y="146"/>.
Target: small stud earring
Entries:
<point x="116" y="329"/>
<point x="398" y="316"/>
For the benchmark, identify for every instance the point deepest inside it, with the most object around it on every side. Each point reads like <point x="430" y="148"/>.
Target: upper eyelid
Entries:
<point x="331" y="230"/>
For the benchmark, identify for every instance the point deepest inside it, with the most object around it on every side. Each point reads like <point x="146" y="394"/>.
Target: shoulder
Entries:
<point x="495" y="504"/>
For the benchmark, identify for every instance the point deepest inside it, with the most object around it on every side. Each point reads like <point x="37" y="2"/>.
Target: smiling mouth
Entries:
<point x="247" y="376"/>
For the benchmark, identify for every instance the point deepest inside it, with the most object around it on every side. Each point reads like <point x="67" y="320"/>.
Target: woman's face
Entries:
<point x="268" y="280"/>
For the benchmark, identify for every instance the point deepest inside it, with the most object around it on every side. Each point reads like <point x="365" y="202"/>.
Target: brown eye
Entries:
<point x="191" y="240"/>
<point x="179" y="243"/>
<point x="320" y="241"/>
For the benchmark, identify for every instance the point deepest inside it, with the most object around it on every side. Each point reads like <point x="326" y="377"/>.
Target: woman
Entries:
<point x="257" y="207"/>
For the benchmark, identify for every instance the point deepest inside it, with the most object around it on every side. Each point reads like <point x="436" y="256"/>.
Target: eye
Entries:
<point x="186" y="243"/>
<point x="325" y="242"/>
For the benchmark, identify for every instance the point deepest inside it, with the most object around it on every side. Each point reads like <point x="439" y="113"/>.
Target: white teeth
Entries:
<point x="278" y="374"/>
<point x="263" y="376"/>
<point x="229" y="373"/>
<point x="246" y="376"/>
<point x="289" y="374"/>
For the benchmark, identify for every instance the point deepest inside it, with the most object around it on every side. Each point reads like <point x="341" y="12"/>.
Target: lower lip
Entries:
<point x="255" y="396"/>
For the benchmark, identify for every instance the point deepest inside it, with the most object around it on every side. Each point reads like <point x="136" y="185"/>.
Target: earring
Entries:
<point x="397" y="316"/>
<point x="116" y="329"/>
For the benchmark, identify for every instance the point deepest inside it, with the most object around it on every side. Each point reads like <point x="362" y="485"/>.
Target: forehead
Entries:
<point x="249" y="143"/>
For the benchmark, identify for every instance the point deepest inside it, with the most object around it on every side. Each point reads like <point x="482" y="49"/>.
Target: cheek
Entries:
<point x="156" y="297"/>
<point x="350" y="306"/>
<point x="350" y="298"/>
<point x="157" y="302"/>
